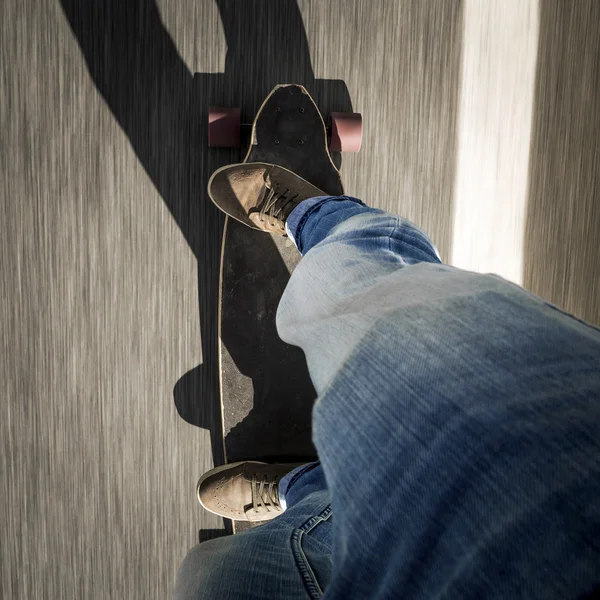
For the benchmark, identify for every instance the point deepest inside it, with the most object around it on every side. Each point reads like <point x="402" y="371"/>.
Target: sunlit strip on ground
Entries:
<point x="499" y="53"/>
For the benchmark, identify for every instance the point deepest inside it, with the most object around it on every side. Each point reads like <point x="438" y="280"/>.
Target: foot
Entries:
<point x="244" y="491"/>
<point x="260" y="195"/>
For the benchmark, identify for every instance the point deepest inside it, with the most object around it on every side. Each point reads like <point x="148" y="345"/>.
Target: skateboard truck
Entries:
<point x="344" y="130"/>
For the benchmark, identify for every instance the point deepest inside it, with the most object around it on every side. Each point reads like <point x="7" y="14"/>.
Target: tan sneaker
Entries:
<point x="244" y="491"/>
<point x="260" y="195"/>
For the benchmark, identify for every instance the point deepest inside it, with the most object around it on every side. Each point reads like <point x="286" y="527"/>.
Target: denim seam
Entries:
<point x="394" y="228"/>
<point x="314" y="521"/>
<point x="414" y="238"/>
<point x="409" y="237"/>
<point x="308" y="576"/>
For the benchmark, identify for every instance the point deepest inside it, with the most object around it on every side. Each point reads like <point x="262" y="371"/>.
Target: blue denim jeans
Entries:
<point x="457" y="427"/>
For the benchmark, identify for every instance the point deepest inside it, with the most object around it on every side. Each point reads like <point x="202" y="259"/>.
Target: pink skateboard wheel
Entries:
<point x="346" y="132"/>
<point x="223" y="127"/>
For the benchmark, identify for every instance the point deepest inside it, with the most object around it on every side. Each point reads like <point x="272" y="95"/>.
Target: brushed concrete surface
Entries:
<point x="109" y="246"/>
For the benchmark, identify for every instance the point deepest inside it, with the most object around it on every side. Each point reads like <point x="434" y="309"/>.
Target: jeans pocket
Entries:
<point x="311" y="547"/>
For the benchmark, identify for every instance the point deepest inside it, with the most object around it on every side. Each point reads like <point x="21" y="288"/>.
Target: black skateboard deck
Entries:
<point x="266" y="392"/>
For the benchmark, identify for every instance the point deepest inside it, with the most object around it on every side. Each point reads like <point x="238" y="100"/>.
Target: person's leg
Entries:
<point x="457" y="424"/>
<point x="458" y="419"/>
<point x="347" y="281"/>
<point x="288" y="557"/>
<point x="222" y="568"/>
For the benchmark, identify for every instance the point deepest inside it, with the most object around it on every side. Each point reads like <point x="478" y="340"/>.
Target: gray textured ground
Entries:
<point x="106" y="242"/>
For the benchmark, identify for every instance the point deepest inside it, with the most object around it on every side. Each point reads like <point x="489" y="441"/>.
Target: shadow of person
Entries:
<point x="162" y="108"/>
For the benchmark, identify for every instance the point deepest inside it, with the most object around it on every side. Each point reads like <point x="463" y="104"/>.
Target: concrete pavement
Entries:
<point x="481" y="125"/>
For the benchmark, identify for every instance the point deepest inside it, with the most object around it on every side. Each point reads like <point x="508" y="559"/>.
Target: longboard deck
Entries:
<point x="266" y="392"/>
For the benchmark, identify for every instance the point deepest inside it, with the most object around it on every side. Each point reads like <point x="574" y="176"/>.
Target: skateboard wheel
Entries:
<point x="223" y="127"/>
<point x="346" y="132"/>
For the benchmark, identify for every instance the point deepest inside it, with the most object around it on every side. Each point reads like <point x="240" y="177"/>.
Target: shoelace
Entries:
<point x="274" y="206"/>
<point x="265" y="493"/>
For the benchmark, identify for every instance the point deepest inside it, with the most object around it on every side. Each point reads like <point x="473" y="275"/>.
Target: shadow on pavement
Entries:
<point x="204" y="535"/>
<point x="561" y="257"/>
<point x="162" y="108"/>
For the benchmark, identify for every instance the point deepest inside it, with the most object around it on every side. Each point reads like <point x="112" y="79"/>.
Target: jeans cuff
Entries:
<point x="289" y="479"/>
<point x="298" y="217"/>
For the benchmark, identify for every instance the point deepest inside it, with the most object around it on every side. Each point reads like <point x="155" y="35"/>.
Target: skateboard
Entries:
<point x="266" y="392"/>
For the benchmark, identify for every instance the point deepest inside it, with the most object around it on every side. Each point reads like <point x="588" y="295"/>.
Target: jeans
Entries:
<point x="457" y="426"/>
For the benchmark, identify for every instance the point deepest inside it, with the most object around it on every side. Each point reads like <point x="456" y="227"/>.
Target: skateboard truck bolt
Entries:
<point x="301" y="110"/>
<point x="300" y="142"/>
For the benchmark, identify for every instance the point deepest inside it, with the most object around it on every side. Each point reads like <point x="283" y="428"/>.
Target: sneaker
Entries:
<point x="260" y="195"/>
<point x="243" y="491"/>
